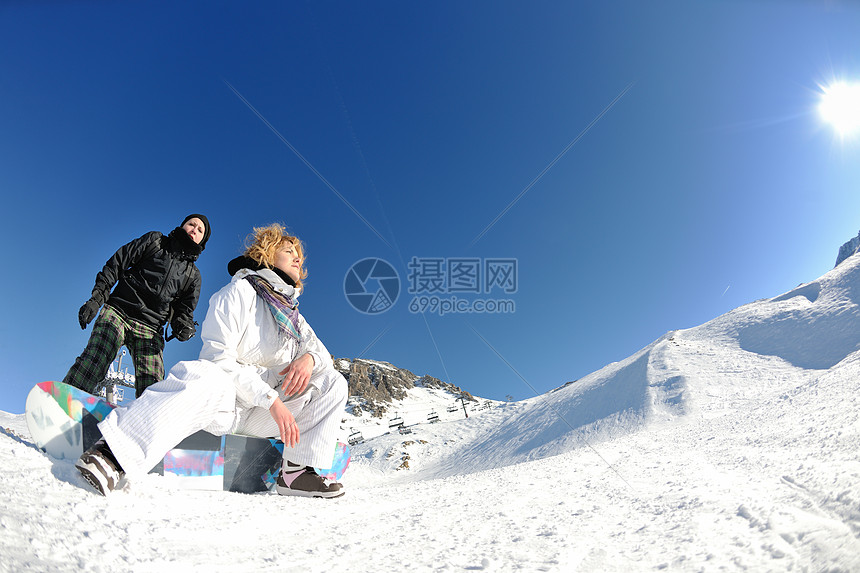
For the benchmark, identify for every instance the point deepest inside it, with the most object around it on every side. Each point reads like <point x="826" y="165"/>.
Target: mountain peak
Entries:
<point x="848" y="249"/>
<point x="377" y="386"/>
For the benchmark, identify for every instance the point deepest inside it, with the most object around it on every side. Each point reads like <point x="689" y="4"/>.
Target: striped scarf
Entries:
<point x="284" y="309"/>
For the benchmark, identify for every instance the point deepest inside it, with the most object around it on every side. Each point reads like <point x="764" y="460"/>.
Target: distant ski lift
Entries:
<point x="355" y="438"/>
<point x="395" y="422"/>
<point x="453" y="408"/>
<point x="404" y="430"/>
<point x="433" y="417"/>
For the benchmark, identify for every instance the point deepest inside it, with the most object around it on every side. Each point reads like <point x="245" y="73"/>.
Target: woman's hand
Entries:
<point x="286" y="423"/>
<point x="297" y="375"/>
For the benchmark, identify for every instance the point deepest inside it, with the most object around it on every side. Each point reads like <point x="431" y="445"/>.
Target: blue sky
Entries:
<point x="700" y="178"/>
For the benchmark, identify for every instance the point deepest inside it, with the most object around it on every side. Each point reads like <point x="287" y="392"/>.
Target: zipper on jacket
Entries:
<point x="166" y="278"/>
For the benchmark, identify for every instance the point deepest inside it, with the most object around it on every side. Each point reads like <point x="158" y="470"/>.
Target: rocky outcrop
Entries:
<point x="375" y="385"/>
<point x="848" y="249"/>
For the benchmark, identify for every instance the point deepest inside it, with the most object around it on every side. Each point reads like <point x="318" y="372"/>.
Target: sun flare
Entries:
<point x="840" y="107"/>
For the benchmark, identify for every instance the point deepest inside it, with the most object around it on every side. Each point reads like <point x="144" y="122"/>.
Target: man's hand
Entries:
<point x="297" y="375"/>
<point x="286" y="423"/>
<point x="87" y="313"/>
<point x="184" y="334"/>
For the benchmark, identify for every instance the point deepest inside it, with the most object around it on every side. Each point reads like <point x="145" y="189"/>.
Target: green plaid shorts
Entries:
<point x="112" y="330"/>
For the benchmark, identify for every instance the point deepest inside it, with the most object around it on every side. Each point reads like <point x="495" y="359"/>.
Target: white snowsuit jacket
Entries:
<point x="241" y="336"/>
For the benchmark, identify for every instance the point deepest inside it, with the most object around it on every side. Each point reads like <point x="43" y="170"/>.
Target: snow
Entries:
<point x="732" y="446"/>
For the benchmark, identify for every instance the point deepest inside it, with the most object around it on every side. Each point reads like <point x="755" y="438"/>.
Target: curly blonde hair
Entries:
<point x="264" y="243"/>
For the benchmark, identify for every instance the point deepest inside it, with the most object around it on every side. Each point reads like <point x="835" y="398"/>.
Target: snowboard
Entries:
<point x="233" y="462"/>
<point x="62" y="419"/>
<point x="63" y="422"/>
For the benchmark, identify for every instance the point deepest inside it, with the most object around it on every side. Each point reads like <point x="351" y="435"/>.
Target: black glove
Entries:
<point x="88" y="312"/>
<point x="184" y="334"/>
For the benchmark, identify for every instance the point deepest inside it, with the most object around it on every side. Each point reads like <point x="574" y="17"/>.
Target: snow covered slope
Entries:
<point x="734" y="446"/>
<point x="742" y="355"/>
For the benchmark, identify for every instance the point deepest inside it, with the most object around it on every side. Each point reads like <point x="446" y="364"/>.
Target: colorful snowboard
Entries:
<point x="63" y="422"/>
<point x="62" y="419"/>
<point x="245" y="464"/>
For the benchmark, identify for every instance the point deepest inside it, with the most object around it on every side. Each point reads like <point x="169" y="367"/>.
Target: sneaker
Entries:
<point x="100" y="468"/>
<point x="305" y="482"/>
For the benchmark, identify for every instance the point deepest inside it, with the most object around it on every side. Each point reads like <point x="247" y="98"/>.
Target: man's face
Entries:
<point x="195" y="229"/>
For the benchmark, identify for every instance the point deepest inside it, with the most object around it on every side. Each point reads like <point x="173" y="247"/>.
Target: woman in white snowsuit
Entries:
<point x="262" y="372"/>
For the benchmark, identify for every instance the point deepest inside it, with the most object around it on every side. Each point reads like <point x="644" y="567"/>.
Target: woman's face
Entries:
<point x="289" y="261"/>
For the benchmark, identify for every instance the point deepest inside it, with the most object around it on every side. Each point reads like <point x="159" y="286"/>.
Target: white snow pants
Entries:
<point x="199" y="395"/>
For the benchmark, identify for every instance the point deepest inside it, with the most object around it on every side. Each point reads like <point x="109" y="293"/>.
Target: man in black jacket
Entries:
<point x="156" y="282"/>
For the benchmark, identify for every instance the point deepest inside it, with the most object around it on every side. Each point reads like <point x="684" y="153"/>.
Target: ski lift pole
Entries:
<point x="110" y="381"/>
<point x="462" y="400"/>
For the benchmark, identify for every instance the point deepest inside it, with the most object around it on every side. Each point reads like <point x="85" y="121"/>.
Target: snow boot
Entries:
<point x="305" y="482"/>
<point x="100" y="468"/>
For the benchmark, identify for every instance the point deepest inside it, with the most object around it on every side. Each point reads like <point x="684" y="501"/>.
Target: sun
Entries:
<point x="840" y="107"/>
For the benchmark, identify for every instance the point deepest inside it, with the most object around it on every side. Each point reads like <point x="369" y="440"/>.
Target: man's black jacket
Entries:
<point x="156" y="280"/>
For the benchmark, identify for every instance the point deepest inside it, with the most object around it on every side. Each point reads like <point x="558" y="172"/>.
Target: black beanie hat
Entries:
<point x="206" y="232"/>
